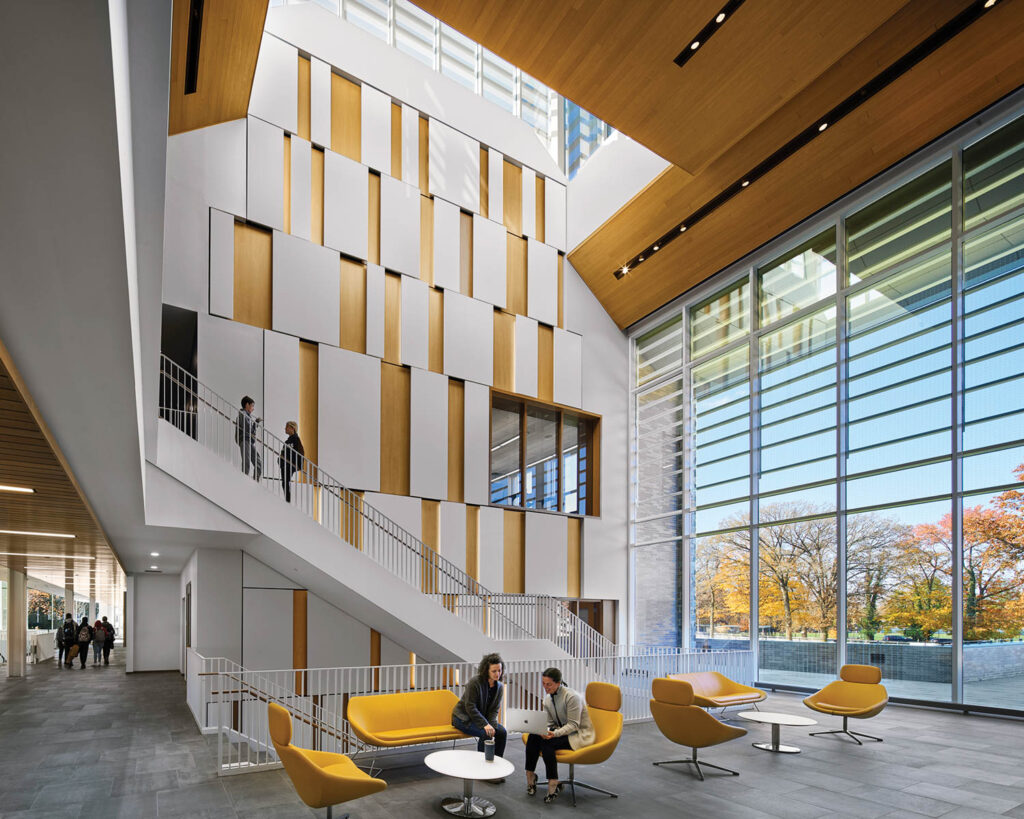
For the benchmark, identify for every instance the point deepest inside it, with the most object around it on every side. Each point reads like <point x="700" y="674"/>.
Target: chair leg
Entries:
<point x="574" y="783"/>
<point x="845" y="730"/>
<point x="697" y="765"/>
<point x="330" y="813"/>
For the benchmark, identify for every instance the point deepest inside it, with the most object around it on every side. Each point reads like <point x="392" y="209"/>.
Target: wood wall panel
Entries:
<point x="309" y="398"/>
<point x="353" y="306"/>
<point x="346" y="118"/>
<point x="396" y="141"/>
<point x="253" y="281"/>
<point x="575" y="574"/>
<point x="484" y="186"/>
<point x="512" y="199"/>
<point x="424" y="156"/>
<point x="435" y="331"/>
<point x="545" y="363"/>
<point x="316" y="211"/>
<point x="373" y="221"/>
<point x="394" y="429"/>
<point x="393" y="318"/>
<point x="473" y="541"/>
<point x="430" y="522"/>
<point x="427" y="239"/>
<point x="287" y="183"/>
<point x="541" y="229"/>
<point x="456" y="441"/>
<point x="515" y="552"/>
<point x="304" y="97"/>
<point x="515" y="281"/>
<point x="466" y="254"/>
<point x="504" y="351"/>
<point x="561" y="291"/>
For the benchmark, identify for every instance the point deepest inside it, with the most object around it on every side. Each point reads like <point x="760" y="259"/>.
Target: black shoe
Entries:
<point x="531" y="787"/>
<point x="551" y="797"/>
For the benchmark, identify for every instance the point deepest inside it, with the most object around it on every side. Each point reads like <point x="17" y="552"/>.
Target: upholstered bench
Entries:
<point x="407" y="718"/>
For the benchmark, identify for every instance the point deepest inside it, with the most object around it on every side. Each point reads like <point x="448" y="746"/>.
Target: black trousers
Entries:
<point x="61" y="651"/>
<point x="83" y="652"/>
<point x="286" y="482"/>
<point x="537" y="746"/>
<point x="106" y="652"/>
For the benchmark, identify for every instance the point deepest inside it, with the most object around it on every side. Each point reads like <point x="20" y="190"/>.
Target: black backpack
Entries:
<point x="69" y="632"/>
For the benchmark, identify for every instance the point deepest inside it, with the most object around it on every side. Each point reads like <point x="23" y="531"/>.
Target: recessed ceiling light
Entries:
<point x="154" y="554"/>
<point x="36" y="534"/>
<point x="989" y="3"/>
<point x="720" y="17"/>
<point x="641" y="258"/>
<point x="745" y="183"/>
<point x="823" y="126"/>
<point x="154" y="567"/>
<point x="655" y="247"/>
<point x="694" y="45"/>
<point x="21" y="489"/>
<point x="682" y="228"/>
<point x="625" y="269"/>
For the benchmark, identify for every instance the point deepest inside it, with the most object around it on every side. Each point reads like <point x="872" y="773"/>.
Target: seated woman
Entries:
<point x="569" y="727"/>
<point x="476" y="713"/>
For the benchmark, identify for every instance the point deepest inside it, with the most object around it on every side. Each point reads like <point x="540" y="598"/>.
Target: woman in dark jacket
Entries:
<point x="476" y="713"/>
<point x="291" y="458"/>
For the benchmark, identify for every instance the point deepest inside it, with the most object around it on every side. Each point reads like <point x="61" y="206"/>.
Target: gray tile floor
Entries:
<point x="99" y="743"/>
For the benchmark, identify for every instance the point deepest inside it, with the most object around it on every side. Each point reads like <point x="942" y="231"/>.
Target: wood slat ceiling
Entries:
<point x="29" y="457"/>
<point x="765" y="76"/>
<point x="229" y="46"/>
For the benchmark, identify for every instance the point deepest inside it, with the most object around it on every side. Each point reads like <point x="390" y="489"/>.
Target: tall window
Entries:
<point x="846" y="420"/>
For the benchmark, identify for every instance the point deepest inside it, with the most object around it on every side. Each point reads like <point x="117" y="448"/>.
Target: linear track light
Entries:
<point x="24" y="490"/>
<point x="705" y="33"/>
<point x="36" y="534"/>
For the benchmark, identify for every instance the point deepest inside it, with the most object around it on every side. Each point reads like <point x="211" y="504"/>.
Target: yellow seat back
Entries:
<point x="866" y="674"/>
<point x="683" y="722"/>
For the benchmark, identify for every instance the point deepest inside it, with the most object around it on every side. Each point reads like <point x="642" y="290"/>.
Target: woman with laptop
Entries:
<point x="569" y="727"/>
<point x="476" y="713"/>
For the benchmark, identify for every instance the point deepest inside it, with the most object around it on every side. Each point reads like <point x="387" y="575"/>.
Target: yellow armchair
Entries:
<point x="682" y="721"/>
<point x="714" y="690"/>
<point x="321" y="779"/>
<point x="858" y="693"/>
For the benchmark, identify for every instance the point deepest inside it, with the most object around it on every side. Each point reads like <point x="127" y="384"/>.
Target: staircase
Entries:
<point x="197" y="446"/>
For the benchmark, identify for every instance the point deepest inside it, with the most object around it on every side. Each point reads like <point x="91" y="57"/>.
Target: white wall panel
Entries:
<point x="280" y="384"/>
<point x="542" y="282"/>
<point x="346" y="205"/>
<point x="492" y="548"/>
<point x="468" y="338"/>
<point x="428" y="435"/>
<point x="547" y="554"/>
<point x="415" y="338"/>
<point x="333" y="639"/>
<point x="349" y="417"/>
<point x="222" y="263"/>
<point x="490" y="260"/>
<point x="526" y="356"/>
<point x="447" y="237"/>
<point x="257" y="575"/>
<point x="477" y="455"/>
<point x="399" y="226"/>
<point x="391" y="653"/>
<point x="495" y="185"/>
<point x="205" y="168"/>
<point x="411" y="145"/>
<point x="301" y="193"/>
<point x="267" y="637"/>
<point x="275" y="86"/>
<point x="306" y="289"/>
<point x="453" y="533"/>
<point x="320" y="102"/>
<point x="454" y="166"/>
<point x="405" y="511"/>
<point x="231" y="359"/>
<point x="376" y="129"/>
<point x="568" y="369"/>
<point x="529" y="202"/>
<point x="375" y="310"/>
<point x="265" y="174"/>
<point x="554" y="214"/>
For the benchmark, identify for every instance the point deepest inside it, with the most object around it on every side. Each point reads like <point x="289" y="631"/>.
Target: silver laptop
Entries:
<point x="521" y="721"/>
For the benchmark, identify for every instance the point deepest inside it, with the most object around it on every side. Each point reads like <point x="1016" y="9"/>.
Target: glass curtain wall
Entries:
<point x="828" y="446"/>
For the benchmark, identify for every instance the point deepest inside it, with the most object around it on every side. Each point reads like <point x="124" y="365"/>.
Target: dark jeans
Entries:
<point x="106" y="653"/>
<point x="537" y="746"/>
<point x="474" y="731"/>
<point x="286" y="482"/>
<point x="251" y="460"/>
<point x="61" y="651"/>
<point x="83" y="652"/>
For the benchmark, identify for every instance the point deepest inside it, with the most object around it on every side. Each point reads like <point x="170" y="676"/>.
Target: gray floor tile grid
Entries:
<point x="100" y="743"/>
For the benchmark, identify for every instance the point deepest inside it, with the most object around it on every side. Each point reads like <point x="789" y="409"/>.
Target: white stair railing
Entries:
<point x="220" y="427"/>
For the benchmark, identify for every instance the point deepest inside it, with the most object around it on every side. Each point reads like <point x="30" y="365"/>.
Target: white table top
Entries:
<point x="773" y="718"/>
<point x="468" y="765"/>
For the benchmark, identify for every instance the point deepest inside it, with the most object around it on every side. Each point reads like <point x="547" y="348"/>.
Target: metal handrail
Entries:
<point x="215" y="423"/>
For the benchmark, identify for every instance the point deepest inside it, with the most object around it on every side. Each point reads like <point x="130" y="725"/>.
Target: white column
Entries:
<point x="17" y="608"/>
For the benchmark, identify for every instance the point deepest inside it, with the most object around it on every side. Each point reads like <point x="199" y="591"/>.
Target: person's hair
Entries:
<point x="69" y="614"/>
<point x="552" y="674"/>
<point x="246" y="400"/>
<point x="293" y="425"/>
<point x="97" y="623"/>
<point x="484" y="668"/>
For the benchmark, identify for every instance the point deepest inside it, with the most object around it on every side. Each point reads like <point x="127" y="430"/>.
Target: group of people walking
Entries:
<point x="248" y="439"/>
<point x="73" y="640"/>
<point x="569" y="725"/>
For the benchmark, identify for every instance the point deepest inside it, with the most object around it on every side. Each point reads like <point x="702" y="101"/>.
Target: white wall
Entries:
<point x="154" y="632"/>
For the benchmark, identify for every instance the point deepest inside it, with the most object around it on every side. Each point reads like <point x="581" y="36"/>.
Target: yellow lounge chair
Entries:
<point x="858" y="693"/>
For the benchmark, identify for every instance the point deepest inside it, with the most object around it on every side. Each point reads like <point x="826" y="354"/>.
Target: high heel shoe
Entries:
<point x="531" y="785"/>
<point x="552" y="796"/>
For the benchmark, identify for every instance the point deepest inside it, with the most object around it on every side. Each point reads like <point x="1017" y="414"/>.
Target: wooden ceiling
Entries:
<point x="767" y="74"/>
<point x="30" y="458"/>
<point x="229" y="45"/>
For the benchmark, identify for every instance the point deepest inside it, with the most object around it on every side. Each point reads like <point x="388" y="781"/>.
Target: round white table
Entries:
<point x="469" y="766"/>
<point x="776" y="721"/>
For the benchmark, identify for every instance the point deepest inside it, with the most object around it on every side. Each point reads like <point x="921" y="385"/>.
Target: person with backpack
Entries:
<point x="108" y="644"/>
<point x="58" y="644"/>
<point x="99" y="637"/>
<point x="83" y="638"/>
<point x="70" y="635"/>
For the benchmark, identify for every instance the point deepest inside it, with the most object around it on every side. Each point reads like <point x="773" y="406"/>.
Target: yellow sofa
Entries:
<point x="407" y="718"/>
<point x="714" y="690"/>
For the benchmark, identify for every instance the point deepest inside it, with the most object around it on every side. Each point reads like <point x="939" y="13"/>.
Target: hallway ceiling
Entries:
<point x="769" y="72"/>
